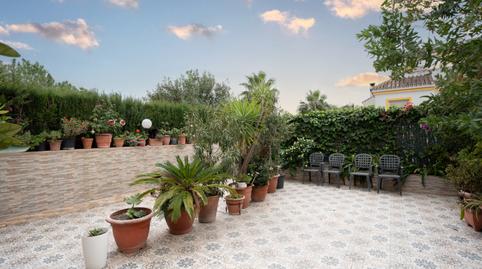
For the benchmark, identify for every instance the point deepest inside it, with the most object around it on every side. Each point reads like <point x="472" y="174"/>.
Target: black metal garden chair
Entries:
<point x="390" y="168"/>
<point x="335" y="167"/>
<point x="315" y="166"/>
<point x="362" y="167"/>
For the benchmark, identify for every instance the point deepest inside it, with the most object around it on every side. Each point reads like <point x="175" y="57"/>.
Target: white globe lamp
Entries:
<point x="146" y="123"/>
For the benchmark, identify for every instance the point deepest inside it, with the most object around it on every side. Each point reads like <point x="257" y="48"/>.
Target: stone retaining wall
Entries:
<point x="34" y="183"/>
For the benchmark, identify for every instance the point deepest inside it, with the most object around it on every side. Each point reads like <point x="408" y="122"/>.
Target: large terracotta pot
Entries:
<point x="166" y="139"/>
<point x="181" y="139"/>
<point x="119" y="142"/>
<point x="103" y="140"/>
<point x="207" y="213"/>
<point x="55" y="145"/>
<point x="130" y="235"/>
<point x="141" y="143"/>
<point x="247" y="195"/>
<point x="183" y="225"/>
<point x="87" y="142"/>
<point x="272" y="183"/>
<point x="234" y="205"/>
<point x="473" y="220"/>
<point x="259" y="193"/>
<point x="155" y="142"/>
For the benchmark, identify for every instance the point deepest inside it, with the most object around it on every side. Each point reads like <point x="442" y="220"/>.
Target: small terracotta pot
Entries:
<point x="183" y="225"/>
<point x="155" y="142"/>
<point x="259" y="193"/>
<point x="119" y="142"/>
<point x="272" y="183"/>
<point x="141" y="143"/>
<point x="181" y="139"/>
<point x="87" y="142"/>
<point x="166" y="139"/>
<point x="130" y="235"/>
<point x="473" y="220"/>
<point x="207" y="213"/>
<point x="233" y="206"/>
<point x="247" y="195"/>
<point x="55" y="145"/>
<point x="103" y="140"/>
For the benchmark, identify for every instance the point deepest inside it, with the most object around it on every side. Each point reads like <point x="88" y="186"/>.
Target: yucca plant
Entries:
<point x="181" y="186"/>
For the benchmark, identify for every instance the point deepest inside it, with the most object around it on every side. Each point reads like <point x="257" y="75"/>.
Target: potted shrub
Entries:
<point x="104" y="121"/>
<point x="471" y="212"/>
<point x="119" y="140"/>
<point x="141" y="138"/>
<point x="41" y="141"/>
<point x="119" y="135"/>
<point x="165" y="137"/>
<point x="54" y="140"/>
<point x="130" y="226"/>
<point x="179" y="189"/>
<point x="281" y="181"/>
<point x="182" y="138"/>
<point x="88" y="138"/>
<point x="94" y="248"/>
<point x="273" y="180"/>
<point x="71" y="128"/>
<point x="260" y="188"/>
<point x="234" y="203"/>
<point x="244" y="187"/>
<point x="208" y="211"/>
<point x="155" y="141"/>
<point x="174" y="133"/>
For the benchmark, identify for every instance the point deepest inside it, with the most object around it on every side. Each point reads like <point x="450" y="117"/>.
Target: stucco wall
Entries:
<point x="417" y="97"/>
<point x="51" y="181"/>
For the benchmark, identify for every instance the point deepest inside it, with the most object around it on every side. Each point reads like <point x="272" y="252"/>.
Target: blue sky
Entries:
<point x="129" y="45"/>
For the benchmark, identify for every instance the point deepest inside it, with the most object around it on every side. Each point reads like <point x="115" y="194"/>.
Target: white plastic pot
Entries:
<point x="94" y="249"/>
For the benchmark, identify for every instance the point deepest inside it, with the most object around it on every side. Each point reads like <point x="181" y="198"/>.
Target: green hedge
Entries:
<point x="359" y="130"/>
<point x="42" y="109"/>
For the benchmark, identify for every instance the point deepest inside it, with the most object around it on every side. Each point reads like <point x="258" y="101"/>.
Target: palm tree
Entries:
<point x="314" y="101"/>
<point x="259" y="86"/>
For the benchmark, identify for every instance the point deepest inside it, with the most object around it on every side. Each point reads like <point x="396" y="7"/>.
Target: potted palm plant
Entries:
<point x="471" y="211"/>
<point x="94" y="248"/>
<point x="130" y="226"/>
<point x="180" y="189"/>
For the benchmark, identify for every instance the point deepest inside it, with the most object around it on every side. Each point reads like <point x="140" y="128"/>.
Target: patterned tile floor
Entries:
<point x="300" y="226"/>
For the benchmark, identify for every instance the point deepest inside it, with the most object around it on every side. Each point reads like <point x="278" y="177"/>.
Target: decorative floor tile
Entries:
<point x="301" y="226"/>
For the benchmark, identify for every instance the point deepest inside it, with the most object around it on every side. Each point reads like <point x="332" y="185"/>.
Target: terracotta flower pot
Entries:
<point x="55" y="145"/>
<point x="272" y="183"/>
<point x="259" y="193"/>
<point x="473" y="220"/>
<point x="87" y="142"/>
<point x="155" y="142"/>
<point x="130" y="235"/>
<point x="233" y="206"/>
<point x="141" y="143"/>
<point x="181" y="139"/>
<point x="166" y="139"/>
<point x="103" y="140"/>
<point x="183" y="225"/>
<point x="207" y="213"/>
<point x="119" y="142"/>
<point x="247" y="195"/>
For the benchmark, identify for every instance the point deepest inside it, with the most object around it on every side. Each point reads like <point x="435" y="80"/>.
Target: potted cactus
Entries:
<point x="94" y="248"/>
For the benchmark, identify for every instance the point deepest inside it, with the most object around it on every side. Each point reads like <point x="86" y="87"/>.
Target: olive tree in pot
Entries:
<point x="130" y="226"/>
<point x="180" y="190"/>
<point x="94" y="248"/>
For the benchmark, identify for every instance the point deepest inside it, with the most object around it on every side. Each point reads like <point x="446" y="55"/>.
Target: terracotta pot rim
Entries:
<point x="55" y="141"/>
<point x="86" y="138"/>
<point x="257" y="187"/>
<point x="234" y="199"/>
<point x="110" y="220"/>
<point x="103" y="134"/>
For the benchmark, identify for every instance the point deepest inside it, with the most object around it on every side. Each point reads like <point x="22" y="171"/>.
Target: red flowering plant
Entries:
<point x="106" y="120"/>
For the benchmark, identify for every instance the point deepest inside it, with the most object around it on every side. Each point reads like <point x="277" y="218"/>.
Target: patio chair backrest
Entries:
<point x="336" y="160"/>
<point x="363" y="161"/>
<point x="389" y="163"/>
<point x="316" y="159"/>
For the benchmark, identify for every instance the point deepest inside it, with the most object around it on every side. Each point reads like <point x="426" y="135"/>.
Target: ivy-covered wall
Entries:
<point x="42" y="109"/>
<point x="359" y="130"/>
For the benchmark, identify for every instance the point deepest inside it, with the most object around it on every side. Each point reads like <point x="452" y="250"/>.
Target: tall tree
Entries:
<point x="25" y="73"/>
<point x="314" y="101"/>
<point x="192" y="88"/>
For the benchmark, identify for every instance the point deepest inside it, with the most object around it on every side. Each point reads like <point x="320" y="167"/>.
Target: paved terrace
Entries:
<point x="302" y="226"/>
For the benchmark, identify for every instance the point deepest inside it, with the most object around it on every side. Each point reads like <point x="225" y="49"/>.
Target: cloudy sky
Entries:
<point x="130" y="45"/>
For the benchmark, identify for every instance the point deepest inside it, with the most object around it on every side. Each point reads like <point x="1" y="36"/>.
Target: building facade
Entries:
<point x="413" y="89"/>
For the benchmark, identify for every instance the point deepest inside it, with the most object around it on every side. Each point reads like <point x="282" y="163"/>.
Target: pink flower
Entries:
<point x="138" y="131"/>
<point x="111" y="122"/>
<point x="122" y="122"/>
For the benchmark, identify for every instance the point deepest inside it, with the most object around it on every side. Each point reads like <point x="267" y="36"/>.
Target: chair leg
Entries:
<point x="338" y="180"/>
<point x="369" y="183"/>
<point x="303" y="178"/>
<point x="379" y="183"/>
<point x="399" y="186"/>
<point x="350" y="179"/>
